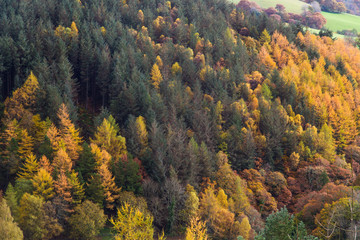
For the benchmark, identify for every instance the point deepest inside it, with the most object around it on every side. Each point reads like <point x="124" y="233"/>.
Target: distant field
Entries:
<point x="335" y="21"/>
<point x="342" y="21"/>
<point x="316" y="31"/>
<point x="294" y="6"/>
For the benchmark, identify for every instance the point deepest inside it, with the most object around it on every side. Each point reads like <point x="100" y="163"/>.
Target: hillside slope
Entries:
<point x="185" y="117"/>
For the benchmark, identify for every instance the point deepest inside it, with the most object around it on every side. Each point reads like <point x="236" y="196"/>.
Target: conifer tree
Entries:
<point x="100" y="156"/>
<point x="86" y="164"/>
<point x="26" y="144"/>
<point x="108" y="183"/>
<point x="53" y="135"/>
<point x="30" y="167"/>
<point x="196" y="230"/>
<point x="87" y="221"/>
<point x="63" y="191"/>
<point x="22" y="100"/>
<point x="69" y="134"/>
<point x="141" y="131"/>
<point x="95" y="190"/>
<point x="107" y="137"/>
<point x="12" y="201"/>
<point x="8" y="227"/>
<point x="77" y="189"/>
<point x="32" y="217"/>
<point x="130" y="224"/>
<point x="43" y="184"/>
<point x="45" y="164"/>
<point x="156" y="77"/>
<point x="62" y="162"/>
<point x="191" y="205"/>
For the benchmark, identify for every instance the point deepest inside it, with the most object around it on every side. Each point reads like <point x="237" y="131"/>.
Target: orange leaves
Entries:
<point x="266" y="59"/>
<point x="110" y="189"/>
<point x="69" y="134"/>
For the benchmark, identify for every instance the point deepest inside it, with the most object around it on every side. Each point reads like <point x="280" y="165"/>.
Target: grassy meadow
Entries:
<point x="335" y="22"/>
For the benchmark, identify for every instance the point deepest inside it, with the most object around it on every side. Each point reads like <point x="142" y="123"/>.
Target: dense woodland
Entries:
<point x="194" y="119"/>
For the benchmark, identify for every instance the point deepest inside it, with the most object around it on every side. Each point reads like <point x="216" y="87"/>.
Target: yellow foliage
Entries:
<point x="266" y="59"/>
<point x="140" y="16"/>
<point x="176" y="69"/>
<point x="141" y="130"/>
<point x="204" y="71"/>
<point x="222" y="198"/>
<point x="39" y="129"/>
<point x="103" y="30"/>
<point x="29" y="168"/>
<point x="43" y="184"/>
<point x="196" y="230"/>
<point x="62" y="162"/>
<point x="22" y="100"/>
<point x="101" y="156"/>
<point x="191" y="204"/>
<point x="189" y="92"/>
<point x="159" y="62"/>
<point x="208" y="98"/>
<point x="132" y="224"/>
<point x="74" y="29"/>
<point x="156" y="77"/>
<point x="245" y="228"/>
<point x="107" y="138"/>
<point x="67" y="32"/>
<point x="26" y="144"/>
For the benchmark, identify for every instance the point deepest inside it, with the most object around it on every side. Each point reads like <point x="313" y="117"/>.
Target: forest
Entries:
<point x="180" y="119"/>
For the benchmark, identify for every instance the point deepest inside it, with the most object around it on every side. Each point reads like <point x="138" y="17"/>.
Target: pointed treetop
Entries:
<point x="29" y="168"/>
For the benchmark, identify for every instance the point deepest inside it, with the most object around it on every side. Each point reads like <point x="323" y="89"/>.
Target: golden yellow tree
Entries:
<point x="107" y="138"/>
<point x="176" y="69"/>
<point x="29" y="168"/>
<point x="156" y="77"/>
<point x="100" y="156"/>
<point x="74" y="30"/>
<point x="43" y="184"/>
<point x="39" y="129"/>
<point x="245" y="227"/>
<point x="23" y="99"/>
<point x="141" y="131"/>
<point x="132" y="224"/>
<point x="26" y="144"/>
<point x="196" y="230"/>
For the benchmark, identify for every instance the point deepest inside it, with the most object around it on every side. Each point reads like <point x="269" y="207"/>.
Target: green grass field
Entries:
<point x="335" y="22"/>
<point x="294" y="6"/>
<point x="316" y="31"/>
<point x="342" y="21"/>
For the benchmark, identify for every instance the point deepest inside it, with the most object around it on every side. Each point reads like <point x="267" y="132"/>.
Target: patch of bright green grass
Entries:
<point x="341" y="21"/>
<point x="335" y="22"/>
<point x="316" y="31"/>
<point x="293" y="6"/>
